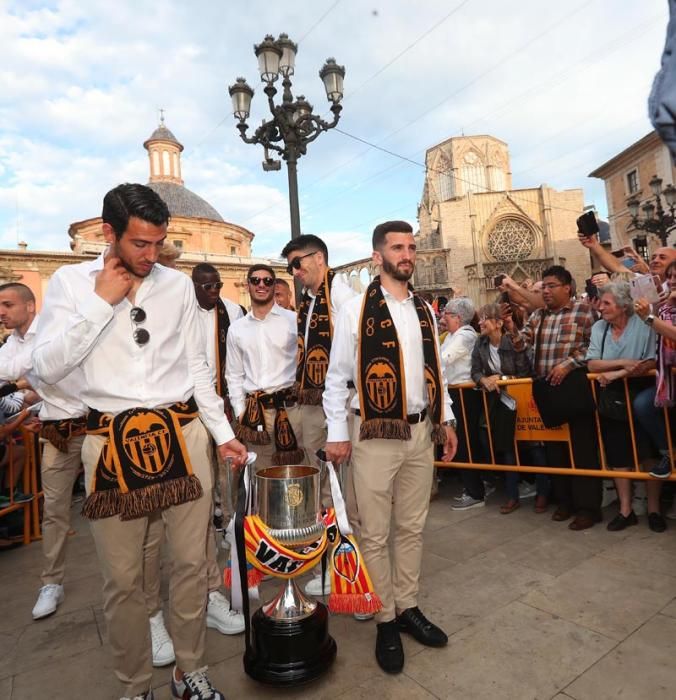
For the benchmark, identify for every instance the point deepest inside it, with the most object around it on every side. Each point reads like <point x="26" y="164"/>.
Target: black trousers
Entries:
<point x="468" y="426"/>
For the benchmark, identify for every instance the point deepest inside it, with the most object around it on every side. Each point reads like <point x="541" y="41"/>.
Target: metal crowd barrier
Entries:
<point x="30" y="483"/>
<point x="529" y="428"/>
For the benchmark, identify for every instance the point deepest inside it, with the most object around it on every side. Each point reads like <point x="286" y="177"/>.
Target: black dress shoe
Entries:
<point x="389" y="651"/>
<point x="420" y="628"/>
<point x="620" y="522"/>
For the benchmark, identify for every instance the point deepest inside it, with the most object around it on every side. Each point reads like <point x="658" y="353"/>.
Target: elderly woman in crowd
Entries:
<point x="456" y="359"/>
<point x="622" y="346"/>
<point x="494" y="358"/>
<point x="649" y="404"/>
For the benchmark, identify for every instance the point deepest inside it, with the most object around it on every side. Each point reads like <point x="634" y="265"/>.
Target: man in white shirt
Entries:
<point x="62" y="416"/>
<point x="325" y="293"/>
<point x="386" y="343"/>
<point x="260" y="373"/>
<point x="132" y="327"/>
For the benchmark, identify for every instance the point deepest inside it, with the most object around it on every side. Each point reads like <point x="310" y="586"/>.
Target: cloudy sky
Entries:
<point x="563" y="83"/>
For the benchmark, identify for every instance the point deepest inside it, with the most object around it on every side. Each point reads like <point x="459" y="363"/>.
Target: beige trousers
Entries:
<point x="120" y="547"/>
<point x="264" y="452"/>
<point x="313" y="421"/>
<point x="392" y="480"/>
<point x="59" y="472"/>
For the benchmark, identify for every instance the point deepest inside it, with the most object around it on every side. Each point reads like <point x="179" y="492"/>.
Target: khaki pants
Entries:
<point x="120" y="548"/>
<point x="313" y="421"/>
<point x="392" y="480"/>
<point x="59" y="472"/>
<point x="264" y="452"/>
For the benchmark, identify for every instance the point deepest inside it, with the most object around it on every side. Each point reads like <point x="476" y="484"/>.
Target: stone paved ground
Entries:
<point x="532" y="611"/>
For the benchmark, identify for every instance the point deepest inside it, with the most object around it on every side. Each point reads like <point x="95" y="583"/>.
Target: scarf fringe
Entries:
<point x="141" y="502"/>
<point x="250" y="436"/>
<point x="310" y="397"/>
<point x="385" y="428"/>
<point x="439" y="435"/>
<point x="50" y="433"/>
<point x="102" y="504"/>
<point x="350" y="603"/>
<point x="282" y="458"/>
<point x="254" y="577"/>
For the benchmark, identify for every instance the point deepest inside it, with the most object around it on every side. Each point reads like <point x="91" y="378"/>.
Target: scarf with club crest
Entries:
<point x="251" y="428"/>
<point x="144" y="464"/>
<point x="380" y="370"/>
<point x="313" y="360"/>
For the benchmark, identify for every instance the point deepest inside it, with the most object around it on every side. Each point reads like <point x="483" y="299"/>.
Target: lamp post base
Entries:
<point x="290" y="652"/>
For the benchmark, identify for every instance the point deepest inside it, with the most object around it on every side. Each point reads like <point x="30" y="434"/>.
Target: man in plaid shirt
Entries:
<point x="563" y="341"/>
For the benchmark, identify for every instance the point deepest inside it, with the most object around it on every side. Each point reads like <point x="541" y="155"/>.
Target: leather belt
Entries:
<point x="411" y="418"/>
<point x="283" y="397"/>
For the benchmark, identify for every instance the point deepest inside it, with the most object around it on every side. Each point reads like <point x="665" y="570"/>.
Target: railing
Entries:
<point x="530" y="428"/>
<point x="30" y="483"/>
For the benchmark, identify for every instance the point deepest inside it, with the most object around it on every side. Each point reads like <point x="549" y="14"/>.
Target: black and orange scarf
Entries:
<point x="60" y="432"/>
<point x="380" y="371"/>
<point x="251" y="429"/>
<point x="313" y="360"/>
<point x="144" y="464"/>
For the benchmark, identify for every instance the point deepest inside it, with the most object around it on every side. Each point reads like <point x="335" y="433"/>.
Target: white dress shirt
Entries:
<point x="343" y="362"/>
<point x="207" y="320"/>
<point x="456" y="355"/>
<point x="340" y="293"/>
<point x="77" y="327"/>
<point x="60" y="401"/>
<point x="261" y="355"/>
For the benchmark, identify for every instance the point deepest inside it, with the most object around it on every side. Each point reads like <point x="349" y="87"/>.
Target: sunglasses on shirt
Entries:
<point x="140" y="335"/>
<point x="267" y="281"/>
<point x="208" y="286"/>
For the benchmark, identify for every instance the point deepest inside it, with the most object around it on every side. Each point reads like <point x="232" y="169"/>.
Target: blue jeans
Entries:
<point x="535" y="456"/>
<point x="651" y="418"/>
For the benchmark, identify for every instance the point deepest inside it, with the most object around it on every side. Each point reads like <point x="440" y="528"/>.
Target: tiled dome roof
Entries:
<point x="162" y="134"/>
<point x="182" y="202"/>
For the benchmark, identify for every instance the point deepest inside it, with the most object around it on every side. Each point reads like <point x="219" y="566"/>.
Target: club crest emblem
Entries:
<point x="317" y="365"/>
<point x="146" y="441"/>
<point x="381" y="384"/>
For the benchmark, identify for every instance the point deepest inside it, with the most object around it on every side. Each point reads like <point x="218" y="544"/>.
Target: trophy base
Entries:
<point x="290" y="652"/>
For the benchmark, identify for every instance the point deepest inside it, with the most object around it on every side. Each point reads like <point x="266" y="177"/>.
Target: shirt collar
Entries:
<point x="386" y="294"/>
<point x="32" y="330"/>
<point x="276" y="310"/>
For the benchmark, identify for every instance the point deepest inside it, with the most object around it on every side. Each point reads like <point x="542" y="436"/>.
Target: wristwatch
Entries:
<point x="451" y="423"/>
<point x="649" y="319"/>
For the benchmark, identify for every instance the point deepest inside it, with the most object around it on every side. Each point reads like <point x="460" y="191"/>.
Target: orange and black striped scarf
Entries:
<point x="144" y="464"/>
<point x="380" y="370"/>
<point x="313" y="360"/>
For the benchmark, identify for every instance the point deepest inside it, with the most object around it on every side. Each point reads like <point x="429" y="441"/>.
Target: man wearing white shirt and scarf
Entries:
<point x="386" y="342"/>
<point x="132" y="328"/>
<point x="260" y="373"/>
<point x="62" y="416"/>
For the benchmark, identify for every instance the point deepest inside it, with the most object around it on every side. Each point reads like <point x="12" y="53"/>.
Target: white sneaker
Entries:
<point x="163" y="647"/>
<point x="526" y="490"/>
<point x="362" y="617"/>
<point x="194" y="686"/>
<point x="49" y="599"/>
<point x="314" y="585"/>
<point x="466" y="501"/>
<point x="221" y="617"/>
<point x="145" y="696"/>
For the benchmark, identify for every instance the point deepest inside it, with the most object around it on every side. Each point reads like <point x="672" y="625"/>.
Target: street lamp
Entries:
<point x="293" y="125"/>
<point x="655" y="218"/>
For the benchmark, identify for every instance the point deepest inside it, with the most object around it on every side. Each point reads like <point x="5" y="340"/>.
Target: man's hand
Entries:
<point x="113" y="282"/>
<point x="639" y="265"/>
<point x="233" y="450"/>
<point x="558" y="374"/>
<point x="590" y="242"/>
<point x="338" y="452"/>
<point x="450" y="446"/>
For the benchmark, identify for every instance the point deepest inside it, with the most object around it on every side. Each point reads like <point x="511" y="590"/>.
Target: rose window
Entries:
<point x="511" y="239"/>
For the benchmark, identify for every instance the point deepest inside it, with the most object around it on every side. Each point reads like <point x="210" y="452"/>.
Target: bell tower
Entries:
<point x="164" y="154"/>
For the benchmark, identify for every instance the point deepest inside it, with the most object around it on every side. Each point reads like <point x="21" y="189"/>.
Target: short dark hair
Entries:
<point x="381" y="230"/>
<point x="282" y="283"/>
<point x="127" y="200"/>
<point x="25" y="292"/>
<point x="260" y="266"/>
<point x="203" y="269"/>
<point x="560" y="272"/>
<point x="303" y="242"/>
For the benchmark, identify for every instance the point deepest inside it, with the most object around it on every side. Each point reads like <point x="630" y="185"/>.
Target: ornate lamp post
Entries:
<point x="293" y="125"/>
<point x="656" y="219"/>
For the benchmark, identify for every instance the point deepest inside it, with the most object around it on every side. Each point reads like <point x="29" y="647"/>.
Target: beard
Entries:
<point x="115" y="251"/>
<point x="394" y="272"/>
<point x="262" y="302"/>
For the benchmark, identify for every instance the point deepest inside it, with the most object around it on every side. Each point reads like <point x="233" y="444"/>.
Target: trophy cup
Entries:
<point x="290" y="641"/>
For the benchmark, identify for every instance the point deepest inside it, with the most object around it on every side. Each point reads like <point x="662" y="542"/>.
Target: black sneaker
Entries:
<point x="194" y="686"/>
<point x="420" y="628"/>
<point x="656" y="522"/>
<point x="620" y="522"/>
<point x="663" y="469"/>
<point x="389" y="651"/>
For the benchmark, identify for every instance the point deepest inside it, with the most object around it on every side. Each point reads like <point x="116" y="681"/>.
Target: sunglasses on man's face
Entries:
<point x="208" y="286"/>
<point x="267" y="281"/>
<point x="295" y="263"/>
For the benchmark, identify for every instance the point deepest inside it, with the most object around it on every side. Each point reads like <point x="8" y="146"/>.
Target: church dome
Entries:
<point x="182" y="202"/>
<point x="162" y="134"/>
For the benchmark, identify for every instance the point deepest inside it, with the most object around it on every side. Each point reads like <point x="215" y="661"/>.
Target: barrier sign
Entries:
<point x="529" y="425"/>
